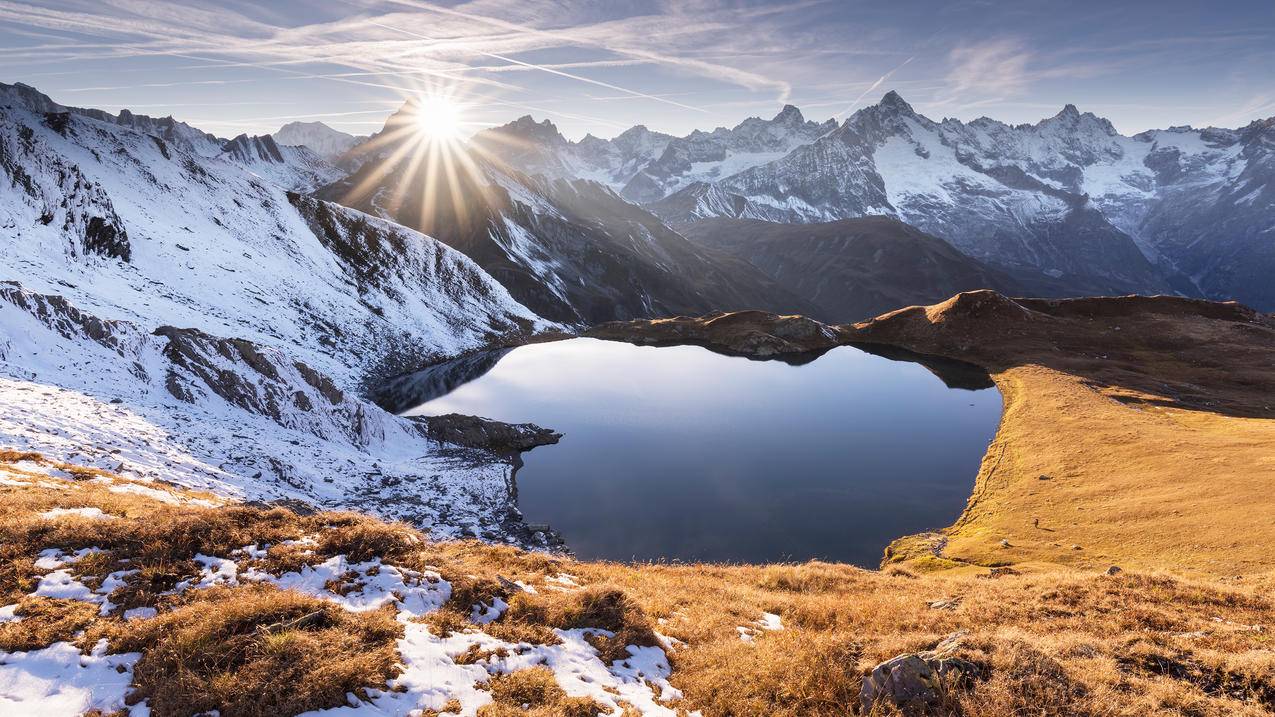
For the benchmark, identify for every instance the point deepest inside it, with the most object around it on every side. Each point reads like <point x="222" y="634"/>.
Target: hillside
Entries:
<point x="573" y="251"/>
<point x="853" y="268"/>
<point x="126" y="597"/>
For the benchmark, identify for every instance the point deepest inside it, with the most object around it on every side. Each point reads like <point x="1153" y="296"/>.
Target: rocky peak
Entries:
<point x="790" y="116"/>
<point x="1072" y="119"/>
<point x="247" y="149"/>
<point x="527" y="128"/>
<point x="894" y="102"/>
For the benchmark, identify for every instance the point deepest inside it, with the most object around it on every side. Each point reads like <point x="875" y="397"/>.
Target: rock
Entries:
<point x="946" y="604"/>
<point x="1076" y="547"/>
<point x="1114" y="570"/>
<point x="475" y="432"/>
<point x="296" y="507"/>
<point x="1045" y="477"/>
<point x="1004" y="543"/>
<point x="914" y="682"/>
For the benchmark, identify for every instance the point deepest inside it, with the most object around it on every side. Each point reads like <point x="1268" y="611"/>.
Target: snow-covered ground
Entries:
<point x="60" y="680"/>
<point x="241" y="421"/>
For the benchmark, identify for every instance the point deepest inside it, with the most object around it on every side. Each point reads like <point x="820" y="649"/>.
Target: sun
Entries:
<point x="438" y="118"/>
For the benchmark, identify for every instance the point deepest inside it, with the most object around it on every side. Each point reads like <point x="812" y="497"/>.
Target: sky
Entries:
<point x="601" y="66"/>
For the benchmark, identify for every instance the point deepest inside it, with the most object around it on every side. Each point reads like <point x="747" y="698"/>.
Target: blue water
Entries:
<point x="679" y="453"/>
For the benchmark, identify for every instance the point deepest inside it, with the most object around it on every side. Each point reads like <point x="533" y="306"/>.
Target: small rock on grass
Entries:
<point x="914" y="682"/>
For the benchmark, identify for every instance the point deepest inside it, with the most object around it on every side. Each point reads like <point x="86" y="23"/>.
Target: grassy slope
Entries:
<point x="1052" y="643"/>
<point x="1153" y="418"/>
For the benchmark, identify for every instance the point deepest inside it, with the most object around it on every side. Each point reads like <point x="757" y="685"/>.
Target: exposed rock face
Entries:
<point x="853" y="268"/>
<point x="296" y="168"/>
<point x="58" y="193"/>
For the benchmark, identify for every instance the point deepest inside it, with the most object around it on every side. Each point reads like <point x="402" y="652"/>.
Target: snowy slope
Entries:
<point x="131" y="227"/>
<point x="174" y="133"/>
<point x="228" y="416"/>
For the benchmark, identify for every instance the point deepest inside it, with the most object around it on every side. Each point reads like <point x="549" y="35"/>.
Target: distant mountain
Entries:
<point x="888" y="160"/>
<point x="571" y="250"/>
<point x="324" y="141"/>
<point x="643" y="165"/>
<point x="1064" y="205"/>
<point x="851" y="269"/>
<point x="296" y="168"/>
<point x="1067" y="200"/>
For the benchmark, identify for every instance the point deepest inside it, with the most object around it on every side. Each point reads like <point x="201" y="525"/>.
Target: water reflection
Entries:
<point x="680" y="453"/>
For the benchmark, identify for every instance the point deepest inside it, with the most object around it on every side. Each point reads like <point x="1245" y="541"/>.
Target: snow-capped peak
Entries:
<point x="322" y="139"/>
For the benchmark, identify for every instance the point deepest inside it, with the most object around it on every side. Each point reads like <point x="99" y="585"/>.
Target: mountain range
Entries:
<point x="1067" y="205"/>
<point x="154" y="272"/>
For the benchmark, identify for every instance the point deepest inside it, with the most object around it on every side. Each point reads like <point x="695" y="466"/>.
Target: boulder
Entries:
<point x="914" y="682"/>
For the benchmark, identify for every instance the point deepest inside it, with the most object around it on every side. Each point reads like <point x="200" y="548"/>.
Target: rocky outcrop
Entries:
<point x="754" y="334"/>
<point x="477" y="432"/>
<point x="916" y="683"/>
<point x="56" y="193"/>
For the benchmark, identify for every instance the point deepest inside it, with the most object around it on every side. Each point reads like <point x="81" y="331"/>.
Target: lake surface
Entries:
<point x="679" y="453"/>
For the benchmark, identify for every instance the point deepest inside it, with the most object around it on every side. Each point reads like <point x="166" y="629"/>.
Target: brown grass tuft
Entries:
<point x="256" y="651"/>
<point x="535" y="692"/>
<point x="44" y="622"/>
<point x="601" y="607"/>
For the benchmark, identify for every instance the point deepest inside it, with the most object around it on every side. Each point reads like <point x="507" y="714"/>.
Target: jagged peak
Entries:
<point x="894" y="101"/>
<point x="789" y="115"/>
<point x="527" y="127"/>
<point x="1070" y="116"/>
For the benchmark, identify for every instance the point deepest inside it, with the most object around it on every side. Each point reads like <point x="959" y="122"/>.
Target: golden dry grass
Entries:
<point x="1049" y="642"/>
<point x="1151" y="420"/>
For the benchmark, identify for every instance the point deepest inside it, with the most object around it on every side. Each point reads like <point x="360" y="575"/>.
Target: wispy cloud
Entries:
<point x="872" y="87"/>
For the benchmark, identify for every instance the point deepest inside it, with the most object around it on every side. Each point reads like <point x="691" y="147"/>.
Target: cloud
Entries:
<point x="998" y="68"/>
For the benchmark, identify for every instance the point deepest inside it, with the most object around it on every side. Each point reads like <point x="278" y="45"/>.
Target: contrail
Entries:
<point x="549" y="70"/>
<point x="872" y="87"/>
